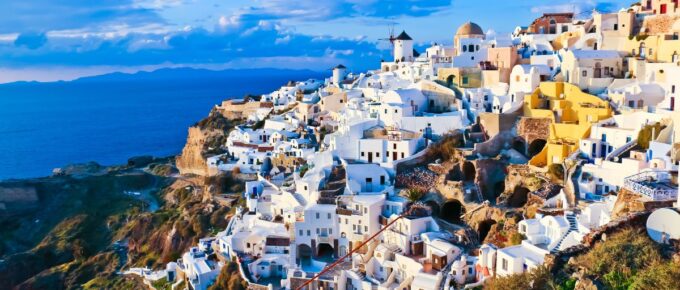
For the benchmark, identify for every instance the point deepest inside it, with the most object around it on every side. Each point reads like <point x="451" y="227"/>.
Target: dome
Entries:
<point x="470" y="28"/>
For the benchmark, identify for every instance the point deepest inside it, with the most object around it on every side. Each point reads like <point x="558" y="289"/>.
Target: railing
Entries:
<point x="619" y="151"/>
<point x="647" y="183"/>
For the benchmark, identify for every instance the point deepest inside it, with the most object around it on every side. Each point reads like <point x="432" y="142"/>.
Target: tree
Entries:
<point x="413" y="195"/>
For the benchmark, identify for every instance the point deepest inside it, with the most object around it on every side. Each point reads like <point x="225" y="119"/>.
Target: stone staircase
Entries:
<point x="573" y="227"/>
<point x="335" y="186"/>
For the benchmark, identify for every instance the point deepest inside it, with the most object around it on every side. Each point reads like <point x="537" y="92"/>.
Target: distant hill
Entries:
<point x="185" y="74"/>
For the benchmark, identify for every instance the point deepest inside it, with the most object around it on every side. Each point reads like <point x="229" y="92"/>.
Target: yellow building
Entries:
<point x="572" y="113"/>
<point x="461" y="77"/>
<point x="653" y="36"/>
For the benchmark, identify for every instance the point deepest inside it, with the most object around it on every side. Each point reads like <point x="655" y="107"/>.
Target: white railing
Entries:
<point x="643" y="183"/>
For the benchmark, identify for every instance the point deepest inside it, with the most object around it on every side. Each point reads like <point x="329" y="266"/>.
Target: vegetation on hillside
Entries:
<point x="627" y="259"/>
<point x="445" y="148"/>
<point x="67" y="241"/>
<point x="229" y="279"/>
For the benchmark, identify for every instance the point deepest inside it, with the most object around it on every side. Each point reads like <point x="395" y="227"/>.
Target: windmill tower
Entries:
<point x="403" y="47"/>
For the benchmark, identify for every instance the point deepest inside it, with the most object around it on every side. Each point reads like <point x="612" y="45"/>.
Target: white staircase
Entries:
<point x="573" y="227"/>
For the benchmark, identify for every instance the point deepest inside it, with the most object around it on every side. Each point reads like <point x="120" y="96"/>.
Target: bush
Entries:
<point x="557" y="171"/>
<point x="645" y="135"/>
<point x="445" y="148"/>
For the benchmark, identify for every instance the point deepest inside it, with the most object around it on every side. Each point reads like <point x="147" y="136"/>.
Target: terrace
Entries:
<point x="656" y="185"/>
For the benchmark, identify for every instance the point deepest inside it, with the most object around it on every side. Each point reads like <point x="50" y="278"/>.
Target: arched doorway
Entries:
<point x="469" y="172"/>
<point x="449" y="80"/>
<point x="304" y="254"/>
<point x="343" y="251"/>
<point x="536" y="147"/>
<point x="325" y="252"/>
<point x="519" y="197"/>
<point x="452" y="210"/>
<point x="484" y="227"/>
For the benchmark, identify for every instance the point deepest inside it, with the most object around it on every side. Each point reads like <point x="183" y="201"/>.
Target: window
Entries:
<point x="301" y="233"/>
<point x="584" y="73"/>
<point x="329" y="215"/>
<point x="309" y="233"/>
<point x="464" y="48"/>
<point x="365" y="210"/>
<point x="394" y="146"/>
<point x="317" y="215"/>
<point x="504" y="265"/>
<point x="673" y="89"/>
<point x="317" y="231"/>
<point x="382" y="179"/>
<point x="365" y="228"/>
<point x="363" y="154"/>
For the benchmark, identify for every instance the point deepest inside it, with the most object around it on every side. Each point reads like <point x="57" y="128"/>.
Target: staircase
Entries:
<point x="334" y="186"/>
<point x="573" y="227"/>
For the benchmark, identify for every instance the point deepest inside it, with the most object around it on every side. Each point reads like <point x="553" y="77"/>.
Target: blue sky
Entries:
<point x="65" y="39"/>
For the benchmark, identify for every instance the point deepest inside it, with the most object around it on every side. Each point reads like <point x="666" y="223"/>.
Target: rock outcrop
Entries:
<point x="191" y="161"/>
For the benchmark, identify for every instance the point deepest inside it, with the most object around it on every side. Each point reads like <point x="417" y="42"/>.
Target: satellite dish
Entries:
<point x="663" y="224"/>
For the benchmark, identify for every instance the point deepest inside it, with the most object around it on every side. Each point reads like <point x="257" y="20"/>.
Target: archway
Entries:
<point x="343" y="251"/>
<point x="484" y="227"/>
<point x="519" y="197"/>
<point x="325" y="252"/>
<point x="452" y="210"/>
<point x="304" y="254"/>
<point x="469" y="172"/>
<point x="449" y="80"/>
<point x="536" y="147"/>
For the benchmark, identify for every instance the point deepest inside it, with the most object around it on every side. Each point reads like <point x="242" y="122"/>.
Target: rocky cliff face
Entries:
<point x="191" y="160"/>
<point x="628" y="202"/>
<point x="207" y="138"/>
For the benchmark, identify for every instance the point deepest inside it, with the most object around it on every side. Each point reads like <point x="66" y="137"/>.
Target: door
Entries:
<point x="663" y="8"/>
<point x="394" y="156"/>
<point x="370" y="157"/>
<point x="672" y="103"/>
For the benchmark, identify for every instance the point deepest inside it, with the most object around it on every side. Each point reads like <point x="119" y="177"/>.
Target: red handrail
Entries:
<point x="337" y="262"/>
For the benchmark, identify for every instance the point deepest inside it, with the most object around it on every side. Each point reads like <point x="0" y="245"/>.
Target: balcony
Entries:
<point x="653" y="184"/>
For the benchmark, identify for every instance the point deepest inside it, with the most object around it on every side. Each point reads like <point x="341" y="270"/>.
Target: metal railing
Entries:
<point x="649" y="183"/>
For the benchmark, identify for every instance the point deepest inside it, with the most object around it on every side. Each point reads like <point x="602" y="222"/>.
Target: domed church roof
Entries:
<point x="470" y="28"/>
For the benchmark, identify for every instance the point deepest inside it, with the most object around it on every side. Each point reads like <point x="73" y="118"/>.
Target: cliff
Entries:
<point x="205" y="139"/>
<point x="191" y="160"/>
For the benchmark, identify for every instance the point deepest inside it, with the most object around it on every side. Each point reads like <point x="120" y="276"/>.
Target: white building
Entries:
<point x="199" y="271"/>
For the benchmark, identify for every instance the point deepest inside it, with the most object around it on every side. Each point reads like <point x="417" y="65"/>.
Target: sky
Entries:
<point x="48" y="40"/>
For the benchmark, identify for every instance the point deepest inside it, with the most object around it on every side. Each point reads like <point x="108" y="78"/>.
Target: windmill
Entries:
<point x="391" y="38"/>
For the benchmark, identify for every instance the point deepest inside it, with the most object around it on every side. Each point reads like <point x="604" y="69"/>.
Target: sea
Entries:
<point x="110" y="118"/>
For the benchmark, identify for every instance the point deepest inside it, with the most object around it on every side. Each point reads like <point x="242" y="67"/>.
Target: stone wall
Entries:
<point x="533" y="128"/>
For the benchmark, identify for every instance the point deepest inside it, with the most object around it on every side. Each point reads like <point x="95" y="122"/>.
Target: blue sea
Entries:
<point x="110" y="118"/>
